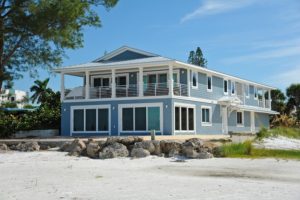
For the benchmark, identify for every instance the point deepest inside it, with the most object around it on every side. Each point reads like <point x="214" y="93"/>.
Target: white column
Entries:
<point x="113" y="83"/>
<point x="87" y="84"/>
<point x="62" y="86"/>
<point x="263" y="98"/>
<point x="270" y="99"/>
<point x="141" y="87"/>
<point x="189" y="82"/>
<point x="171" y="80"/>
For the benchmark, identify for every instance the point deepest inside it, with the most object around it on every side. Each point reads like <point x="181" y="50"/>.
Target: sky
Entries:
<point x="258" y="40"/>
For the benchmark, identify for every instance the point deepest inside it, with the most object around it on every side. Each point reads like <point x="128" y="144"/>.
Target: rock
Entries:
<point x="114" y="150"/>
<point x="127" y="141"/>
<point x="92" y="149"/>
<point x="170" y="147"/>
<point x="65" y="146"/>
<point x="173" y="153"/>
<point x="76" y="148"/>
<point x="194" y="148"/>
<point x="157" y="150"/>
<point x="3" y="148"/>
<point x="205" y="155"/>
<point x="139" y="153"/>
<point x="147" y="145"/>
<point x="28" y="146"/>
<point x="196" y="141"/>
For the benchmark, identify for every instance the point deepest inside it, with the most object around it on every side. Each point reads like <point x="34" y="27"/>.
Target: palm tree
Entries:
<point x="41" y="91"/>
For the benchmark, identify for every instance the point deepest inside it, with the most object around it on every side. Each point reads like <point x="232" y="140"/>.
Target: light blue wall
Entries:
<point x="262" y="120"/>
<point x="66" y="110"/>
<point x="232" y="123"/>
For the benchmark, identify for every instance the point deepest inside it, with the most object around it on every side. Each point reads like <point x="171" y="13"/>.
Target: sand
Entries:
<point x="279" y="142"/>
<point x="53" y="175"/>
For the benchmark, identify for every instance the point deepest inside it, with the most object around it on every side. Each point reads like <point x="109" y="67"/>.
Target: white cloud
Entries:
<point x="286" y="78"/>
<point x="210" y="7"/>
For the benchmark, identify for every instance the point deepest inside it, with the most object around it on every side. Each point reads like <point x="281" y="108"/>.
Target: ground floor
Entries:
<point x="52" y="175"/>
<point x="166" y="116"/>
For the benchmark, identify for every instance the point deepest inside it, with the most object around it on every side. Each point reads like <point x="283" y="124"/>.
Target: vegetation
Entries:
<point x="279" y="131"/>
<point x="246" y="150"/>
<point x="196" y="58"/>
<point x="46" y="116"/>
<point x="35" y="33"/>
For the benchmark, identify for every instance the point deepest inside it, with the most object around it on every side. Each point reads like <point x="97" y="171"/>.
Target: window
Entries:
<point x="103" y="118"/>
<point x="121" y="81"/>
<point x="239" y="118"/>
<point x="206" y="116"/>
<point x="246" y="90"/>
<point x="101" y="82"/>
<point x="90" y="118"/>
<point x="225" y="86"/>
<point x="195" y="79"/>
<point x="209" y="83"/>
<point x="184" y="118"/>
<point x="90" y="122"/>
<point x="255" y="93"/>
<point x="232" y="87"/>
<point x="141" y="118"/>
<point x="78" y="120"/>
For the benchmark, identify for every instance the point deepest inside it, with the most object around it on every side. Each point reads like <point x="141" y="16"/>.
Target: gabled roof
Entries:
<point x="125" y="53"/>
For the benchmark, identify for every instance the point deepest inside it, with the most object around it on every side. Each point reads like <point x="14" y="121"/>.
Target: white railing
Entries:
<point x="156" y="89"/>
<point x="75" y="93"/>
<point x="127" y="91"/>
<point x="100" y="92"/>
<point x="180" y="89"/>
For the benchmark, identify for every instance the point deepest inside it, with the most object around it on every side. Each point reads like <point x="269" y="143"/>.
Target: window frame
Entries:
<point x="139" y="105"/>
<point x="247" y="95"/>
<point x="187" y="106"/>
<point x="233" y="84"/>
<point x="242" y="115"/>
<point x="255" y="93"/>
<point x="211" y="83"/>
<point x="87" y="107"/>
<point x="210" y="116"/>
<point x="196" y="86"/>
<point x="225" y="80"/>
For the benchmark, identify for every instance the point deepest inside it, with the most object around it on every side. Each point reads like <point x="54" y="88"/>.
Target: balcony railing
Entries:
<point x="132" y="90"/>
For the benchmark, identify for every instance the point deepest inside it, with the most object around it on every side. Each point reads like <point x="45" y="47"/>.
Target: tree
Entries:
<point x="35" y="33"/>
<point x="293" y="94"/>
<point x="278" y="101"/>
<point x="41" y="91"/>
<point x="196" y="58"/>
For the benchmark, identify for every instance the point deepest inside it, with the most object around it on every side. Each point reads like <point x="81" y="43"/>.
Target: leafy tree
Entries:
<point x="196" y="58"/>
<point x="35" y="33"/>
<point x="41" y="91"/>
<point x="278" y="101"/>
<point x="293" y="93"/>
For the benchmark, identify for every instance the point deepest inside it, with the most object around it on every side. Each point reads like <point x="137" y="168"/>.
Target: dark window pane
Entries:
<point x="239" y="118"/>
<point x="121" y="80"/>
<point x="205" y="115"/>
<point x="103" y="120"/>
<point x="97" y="82"/>
<point x="225" y="86"/>
<point x="191" y="119"/>
<point x="140" y="119"/>
<point x="194" y="79"/>
<point x="152" y="78"/>
<point x="183" y="119"/>
<point x="105" y="82"/>
<point x="78" y="120"/>
<point x="209" y="82"/>
<point x="90" y="119"/>
<point x="153" y="118"/>
<point x="162" y="78"/>
<point x="177" y="119"/>
<point x="127" y="119"/>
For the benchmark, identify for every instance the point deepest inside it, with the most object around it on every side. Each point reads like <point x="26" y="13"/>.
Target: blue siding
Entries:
<point x="66" y="115"/>
<point x="232" y="123"/>
<point x="126" y="55"/>
<point x="261" y="120"/>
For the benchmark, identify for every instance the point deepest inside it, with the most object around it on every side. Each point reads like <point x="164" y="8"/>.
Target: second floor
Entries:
<point x="152" y="76"/>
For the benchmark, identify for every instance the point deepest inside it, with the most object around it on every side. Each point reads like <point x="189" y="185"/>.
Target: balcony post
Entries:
<point x="269" y="99"/>
<point x="62" y="86"/>
<point x="141" y="76"/>
<point x="87" y="84"/>
<point x="264" y="99"/>
<point x="171" y="93"/>
<point x="189" y="82"/>
<point x="113" y="83"/>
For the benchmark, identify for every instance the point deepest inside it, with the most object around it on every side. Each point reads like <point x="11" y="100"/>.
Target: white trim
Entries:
<point x="242" y="124"/>
<point x="187" y="106"/>
<point x="102" y="77"/>
<point x="247" y="88"/>
<point x="139" y="105"/>
<point x="84" y="108"/>
<point x="211" y="83"/>
<point x="210" y="116"/>
<point x="195" y="87"/>
<point x="255" y="92"/>
<point x="225" y="93"/>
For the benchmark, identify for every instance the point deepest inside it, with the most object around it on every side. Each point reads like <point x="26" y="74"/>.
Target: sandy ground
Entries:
<point x="279" y="142"/>
<point x="52" y="175"/>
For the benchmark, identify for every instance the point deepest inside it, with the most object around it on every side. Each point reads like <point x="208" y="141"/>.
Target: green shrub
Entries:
<point x="236" y="149"/>
<point x="263" y="133"/>
<point x="279" y="131"/>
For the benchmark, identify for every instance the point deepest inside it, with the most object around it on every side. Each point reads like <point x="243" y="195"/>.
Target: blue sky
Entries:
<point x="257" y="40"/>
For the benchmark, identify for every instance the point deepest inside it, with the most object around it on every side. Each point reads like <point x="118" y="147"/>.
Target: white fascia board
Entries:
<point x="257" y="109"/>
<point x="222" y="75"/>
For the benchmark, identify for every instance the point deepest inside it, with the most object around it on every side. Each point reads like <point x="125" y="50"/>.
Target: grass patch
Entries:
<point x="279" y="131"/>
<point x="246" y="150"/>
